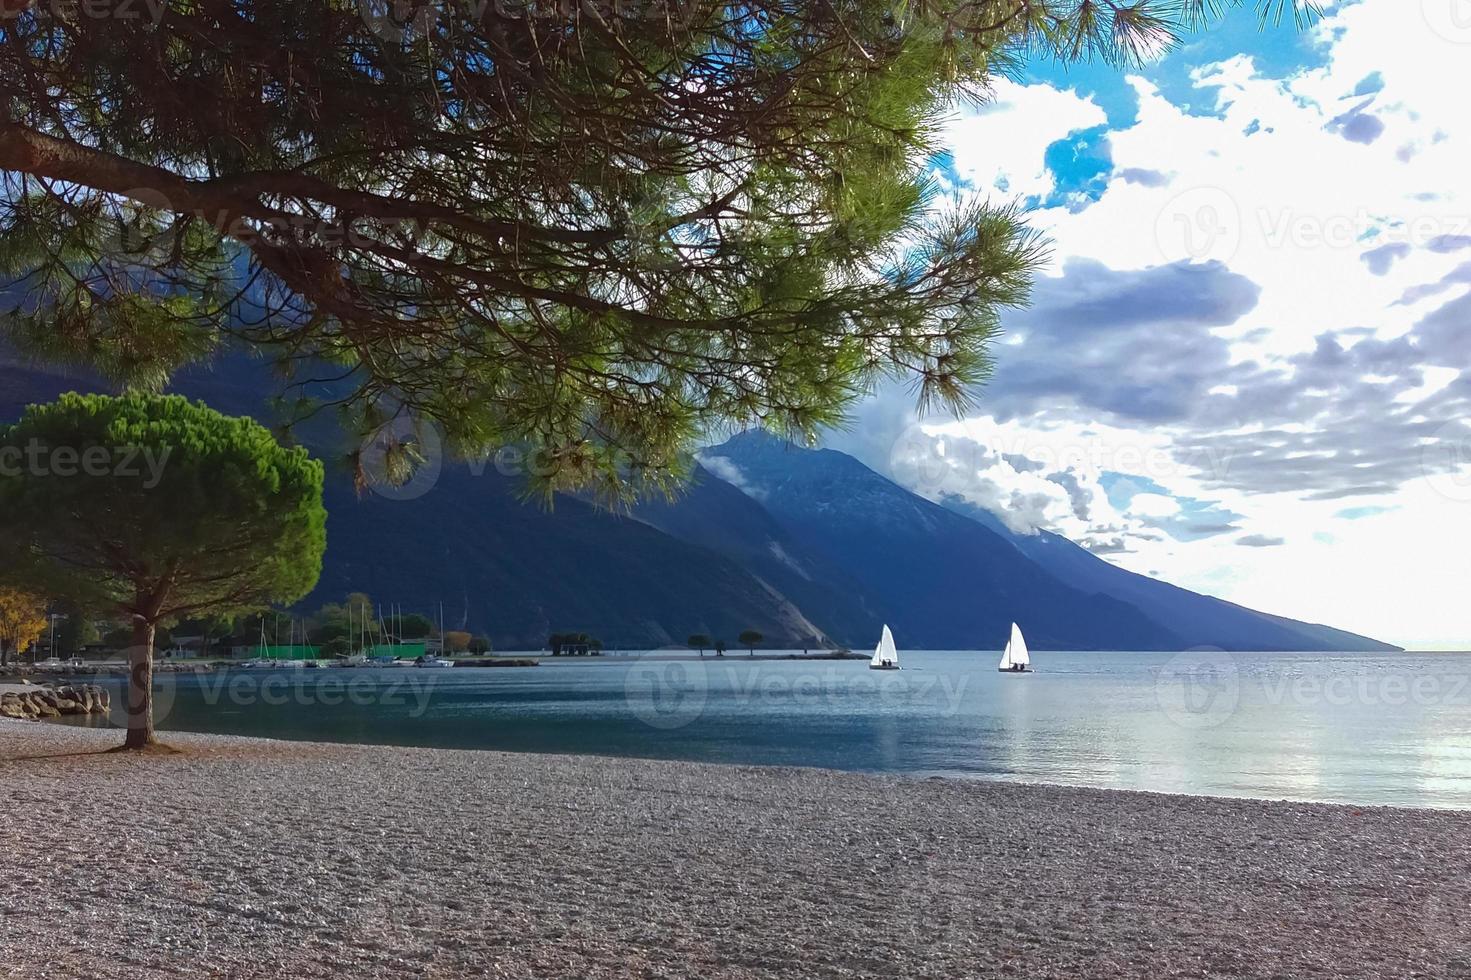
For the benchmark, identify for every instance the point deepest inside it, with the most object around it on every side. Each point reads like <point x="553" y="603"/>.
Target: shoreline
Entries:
<point x="262" y="858"/>
<point x="982" y="779"/>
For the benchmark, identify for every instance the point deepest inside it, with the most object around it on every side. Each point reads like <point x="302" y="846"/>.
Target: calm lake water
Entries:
<point x="1349" y="728"/>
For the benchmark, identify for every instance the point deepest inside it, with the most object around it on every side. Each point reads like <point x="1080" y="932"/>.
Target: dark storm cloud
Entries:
<point x="1023" y="464"/>
<point x="1135" y="345"/>
<point x="1078" y="496"/>
<point x="1340" y="421"/>
<point x="1362" y="490"/>
<point x="1139" y="350"/>
<point x="1449" y="243"/>
<point x="1459" y="276"/>
<point x="1211" y="530"/>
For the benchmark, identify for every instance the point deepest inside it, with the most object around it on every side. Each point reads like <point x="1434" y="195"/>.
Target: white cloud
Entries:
<point x="1153" y="505"/>
<point x="1289" y="184"/>
<point x="725" y="468"/>
<point x="998" y="148"/>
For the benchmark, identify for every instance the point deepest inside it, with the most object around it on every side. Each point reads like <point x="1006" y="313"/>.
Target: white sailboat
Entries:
<point x="1015" y="659"/>
<point x="885" y="655"/>
<point x="263" y="661"/>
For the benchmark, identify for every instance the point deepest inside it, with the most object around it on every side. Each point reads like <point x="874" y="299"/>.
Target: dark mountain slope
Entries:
<point x="714" y="514"/>
<point x="794" y="543"/>
<point x="939" y="579"/>
<point x="503" y="567"/>
<point x="518" y="572"/>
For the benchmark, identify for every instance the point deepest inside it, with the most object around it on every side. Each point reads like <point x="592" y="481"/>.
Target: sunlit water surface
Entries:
<point x="1350" y="728"/>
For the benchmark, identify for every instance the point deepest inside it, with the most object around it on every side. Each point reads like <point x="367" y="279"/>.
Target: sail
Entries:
<point x="885" y="652"/>
<point x="1018" y="647"/>
<point x="1006" y="657"/>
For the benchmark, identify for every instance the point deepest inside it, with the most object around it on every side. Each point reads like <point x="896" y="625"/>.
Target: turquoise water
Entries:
<point x="1354" y="728"/>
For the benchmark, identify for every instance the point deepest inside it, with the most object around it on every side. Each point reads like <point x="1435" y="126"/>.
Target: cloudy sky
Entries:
<point x="1243" y="368"/>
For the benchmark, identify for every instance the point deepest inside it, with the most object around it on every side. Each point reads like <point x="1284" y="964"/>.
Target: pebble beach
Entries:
<point x="253" y="858"/>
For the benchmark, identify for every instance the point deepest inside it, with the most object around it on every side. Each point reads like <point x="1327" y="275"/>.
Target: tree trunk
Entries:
<point x="4" y="654"/>
<point x="140" y="687"/>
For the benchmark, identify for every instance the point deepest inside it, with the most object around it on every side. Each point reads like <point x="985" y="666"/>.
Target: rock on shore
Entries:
<point x="254" y="859"/>
<point x="32" y="703"/>
<point x="114" y="668"/>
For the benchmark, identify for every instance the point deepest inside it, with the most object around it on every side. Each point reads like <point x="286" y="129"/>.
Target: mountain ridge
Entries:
<point x="1194" y="620"/>
<point x="809" y="547"/>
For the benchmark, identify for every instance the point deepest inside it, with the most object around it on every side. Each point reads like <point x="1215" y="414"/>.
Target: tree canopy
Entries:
<point x="22" y="621"/>
<point x="158" y="509"/>
<point x="185" y="511"/>
<point x="600" y="228"/>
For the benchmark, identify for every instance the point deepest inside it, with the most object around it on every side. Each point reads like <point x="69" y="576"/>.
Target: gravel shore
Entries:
<point x="251" y="858"/>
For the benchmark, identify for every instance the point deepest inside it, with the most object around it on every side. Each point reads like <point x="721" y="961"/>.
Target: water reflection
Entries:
<point x="1352" y="728"/>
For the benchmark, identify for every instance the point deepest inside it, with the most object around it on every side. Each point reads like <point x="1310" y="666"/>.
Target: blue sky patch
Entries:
<point x="1372" y="83"/>
<point x="1196" y="520"/>
<point x="1359" y="513"/>
<point x="1278" y="51"/>
<point x="1080" y="165"/>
